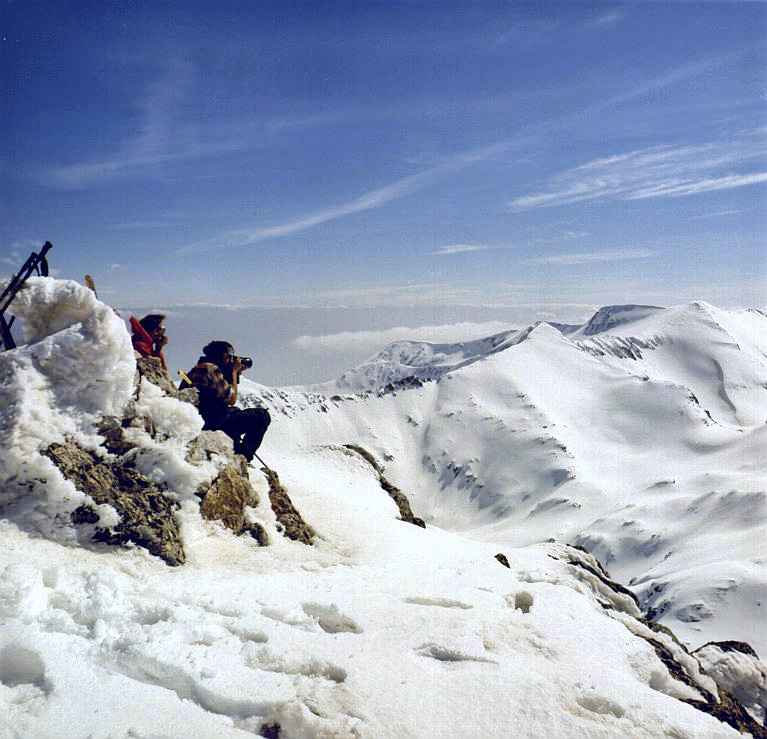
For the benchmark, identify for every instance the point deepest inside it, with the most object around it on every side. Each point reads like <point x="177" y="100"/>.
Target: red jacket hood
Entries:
<point x="142" y="341"/>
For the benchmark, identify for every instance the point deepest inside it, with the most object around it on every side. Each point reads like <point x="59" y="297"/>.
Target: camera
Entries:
<point x="245" y="362"/>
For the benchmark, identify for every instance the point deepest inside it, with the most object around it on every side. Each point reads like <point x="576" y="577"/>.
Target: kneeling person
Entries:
<point x="215" y="376"/>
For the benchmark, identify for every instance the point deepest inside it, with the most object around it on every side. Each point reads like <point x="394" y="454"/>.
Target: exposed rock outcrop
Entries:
<point x="722" y="696"/>
<point x="227" y="496"/>
<point x="145" y="512"/>
<point x="151" y="368"/>
<point x="207" y="445"/>
<point x="288" y="518"/>
<point x="405" y="512"/>
<point x="146" y="515"/>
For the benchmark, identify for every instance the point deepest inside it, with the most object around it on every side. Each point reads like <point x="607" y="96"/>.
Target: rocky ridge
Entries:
<point x="129" y="508"/>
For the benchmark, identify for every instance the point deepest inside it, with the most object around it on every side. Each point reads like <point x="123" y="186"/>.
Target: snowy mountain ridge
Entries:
<point x="485" y="623"/>
<point x="635" y="435"/>
<point x="605" y="331"/>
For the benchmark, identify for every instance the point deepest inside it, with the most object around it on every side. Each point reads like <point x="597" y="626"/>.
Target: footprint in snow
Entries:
<point x="22" y="666"/>
<point x="330" y="618"/>
<point x="439" y="602"/>
<point x="521" y="601"/>
<point x="446" y="654"/>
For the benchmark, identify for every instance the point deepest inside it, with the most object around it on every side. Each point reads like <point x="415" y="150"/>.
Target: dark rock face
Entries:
<point x="731" y="646"/>
<point x="601" y="573"/>
<point x="270" y="731"/>
<point x="503" y="559"/>
<point x="146" y="516"/>
<point x="111" y="428"/>
<point x="258" y="532"/>
<point x="729" y="710"/>
<point x="405" y="512"/>
<point x="293" y="525"/>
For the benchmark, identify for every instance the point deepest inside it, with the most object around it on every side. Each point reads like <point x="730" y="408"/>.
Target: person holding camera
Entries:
<point x="216" y="376"/>
<point x="149" y="336"/>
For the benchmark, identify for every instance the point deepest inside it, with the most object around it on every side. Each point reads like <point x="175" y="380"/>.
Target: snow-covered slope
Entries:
<point x="381" y="628"/>
<point x="640" y="436"/>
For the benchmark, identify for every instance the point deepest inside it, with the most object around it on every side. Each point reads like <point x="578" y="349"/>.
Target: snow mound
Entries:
<point x="73" y="367"/>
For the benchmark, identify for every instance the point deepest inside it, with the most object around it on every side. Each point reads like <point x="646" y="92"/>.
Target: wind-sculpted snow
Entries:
<point x="640" y="436"/>
<point x="76" y="366"/>
<point x="380" y="628"/>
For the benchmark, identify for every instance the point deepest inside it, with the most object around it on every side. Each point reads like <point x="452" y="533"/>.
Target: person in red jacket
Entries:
<point x="149" y="336"/>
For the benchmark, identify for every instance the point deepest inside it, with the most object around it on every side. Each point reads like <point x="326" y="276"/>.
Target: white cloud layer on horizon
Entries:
<point x="593" y="257"/>
<point x="376" y="340"/>
<point x="658" y="171"/>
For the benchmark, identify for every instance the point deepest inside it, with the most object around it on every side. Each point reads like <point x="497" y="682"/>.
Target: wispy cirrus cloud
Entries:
<point x="166" y="132"/>
<point x="608" y="18"/>
<point x="721" y="213"/>
<point x="170" y="128"/>
<point x="659" y="171"/>
<point x="371" y="199"/>
<point x="618" y="255"/>
<point x="458" y="249"/>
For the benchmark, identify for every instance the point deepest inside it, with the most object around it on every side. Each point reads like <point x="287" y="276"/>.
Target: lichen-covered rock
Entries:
<point x="132" y="418"/>
<point x="258" y="532"/>
<point x="208" y="443"/>
<point x="405" y="512"/>
<point x="146" y="516"/>
<point x="111" y="429"/>
<point x="189" y="395"/>
<point x="151" y="368"/>
<point x="228" y="495"/>
<point x="293" y="525"/>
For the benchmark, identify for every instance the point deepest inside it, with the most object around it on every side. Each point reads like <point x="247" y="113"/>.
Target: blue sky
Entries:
<point x="542" y="156"/>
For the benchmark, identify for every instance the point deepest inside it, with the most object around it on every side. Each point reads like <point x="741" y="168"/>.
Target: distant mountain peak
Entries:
<point x="610" y="316"/>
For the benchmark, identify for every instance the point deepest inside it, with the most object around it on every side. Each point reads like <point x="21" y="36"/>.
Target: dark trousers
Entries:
<point x="246" y="426"/>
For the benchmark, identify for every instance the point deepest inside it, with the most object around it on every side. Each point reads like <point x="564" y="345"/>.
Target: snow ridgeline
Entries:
<point x="380" y="629"/>
<point x="639" y="436"/>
